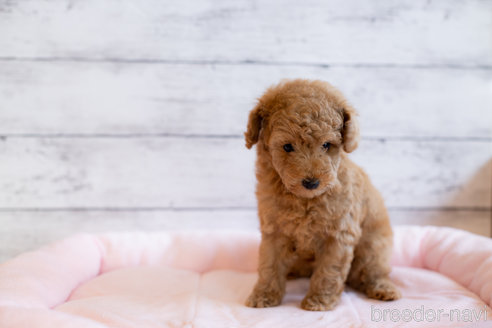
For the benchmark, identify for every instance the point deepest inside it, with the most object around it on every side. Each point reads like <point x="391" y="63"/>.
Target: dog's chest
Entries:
<point x="315" y="219"/>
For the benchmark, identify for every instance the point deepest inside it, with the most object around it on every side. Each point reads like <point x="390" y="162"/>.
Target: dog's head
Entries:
<point x="303" y="126"/>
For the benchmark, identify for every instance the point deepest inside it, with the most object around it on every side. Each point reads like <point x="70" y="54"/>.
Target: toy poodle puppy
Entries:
<point x="320" y="216"/>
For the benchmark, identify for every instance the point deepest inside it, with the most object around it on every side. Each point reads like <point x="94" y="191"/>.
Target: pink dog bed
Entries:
<point x="202" y="280"/>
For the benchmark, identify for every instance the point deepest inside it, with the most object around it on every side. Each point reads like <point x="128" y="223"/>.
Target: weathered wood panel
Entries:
<point x="23" y="231"/>
<point x="95" y="98"/>
<point x="102" y="77"/>
<point x="478" y="222"/>
<point x="218" y="172"/>
<point x="413" y="32"/>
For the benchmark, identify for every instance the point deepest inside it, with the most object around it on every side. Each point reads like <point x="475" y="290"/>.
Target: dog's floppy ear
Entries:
<point x="350" y="132"/>
<point x="254" y="126"/>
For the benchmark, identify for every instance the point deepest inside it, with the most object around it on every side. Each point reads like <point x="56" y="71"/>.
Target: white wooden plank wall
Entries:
<point x="123" y="115"/>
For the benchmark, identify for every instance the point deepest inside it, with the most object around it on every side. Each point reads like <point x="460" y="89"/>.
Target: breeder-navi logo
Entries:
<point x="428" y="315"/>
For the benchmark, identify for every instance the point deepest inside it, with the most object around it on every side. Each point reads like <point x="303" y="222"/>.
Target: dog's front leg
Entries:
<point x="329" y="275"/>
<point x="272" y="271"/>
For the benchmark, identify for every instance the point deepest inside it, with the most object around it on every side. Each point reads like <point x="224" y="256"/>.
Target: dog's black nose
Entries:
<point x="310" y="183"/>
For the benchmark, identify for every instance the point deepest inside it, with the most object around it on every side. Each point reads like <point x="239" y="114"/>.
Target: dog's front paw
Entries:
<point x="263" y="299"/>
<point x="383" y="289"/>
<point x="319" y="302"/>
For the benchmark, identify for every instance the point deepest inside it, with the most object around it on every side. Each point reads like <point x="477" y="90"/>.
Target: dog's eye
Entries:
<point x="288" y="148"/>
<point x="326" y="145"/>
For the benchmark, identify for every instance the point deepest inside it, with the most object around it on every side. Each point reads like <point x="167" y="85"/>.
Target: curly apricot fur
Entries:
<point x="336" y="233"/>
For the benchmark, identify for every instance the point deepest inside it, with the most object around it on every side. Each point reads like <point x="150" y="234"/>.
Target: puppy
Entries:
<point x="320" y="216"/>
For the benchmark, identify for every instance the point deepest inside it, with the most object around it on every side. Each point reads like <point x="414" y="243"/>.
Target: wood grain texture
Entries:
<point x="218" y="172"/>
<point x="409" y="32"/>
<point x="123" y="115"/>
<point x="122" y="99"/>
<point x="24" y="231"/>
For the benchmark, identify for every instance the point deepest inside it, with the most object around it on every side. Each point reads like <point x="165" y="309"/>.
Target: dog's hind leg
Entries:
<point x="369" y="272"/>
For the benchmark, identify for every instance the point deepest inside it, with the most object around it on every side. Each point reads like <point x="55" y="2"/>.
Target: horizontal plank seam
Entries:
<point x="5" y="136"/>
<point x="244" y="62"/>
<point x="224" y="208"/>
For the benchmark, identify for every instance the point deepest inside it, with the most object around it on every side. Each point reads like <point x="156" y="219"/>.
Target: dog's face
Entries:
<point x="304" y="126"/>
<point x="304" y="145"/>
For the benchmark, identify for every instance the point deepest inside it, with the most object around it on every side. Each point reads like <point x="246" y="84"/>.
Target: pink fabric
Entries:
<point x="202" y="280"/>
